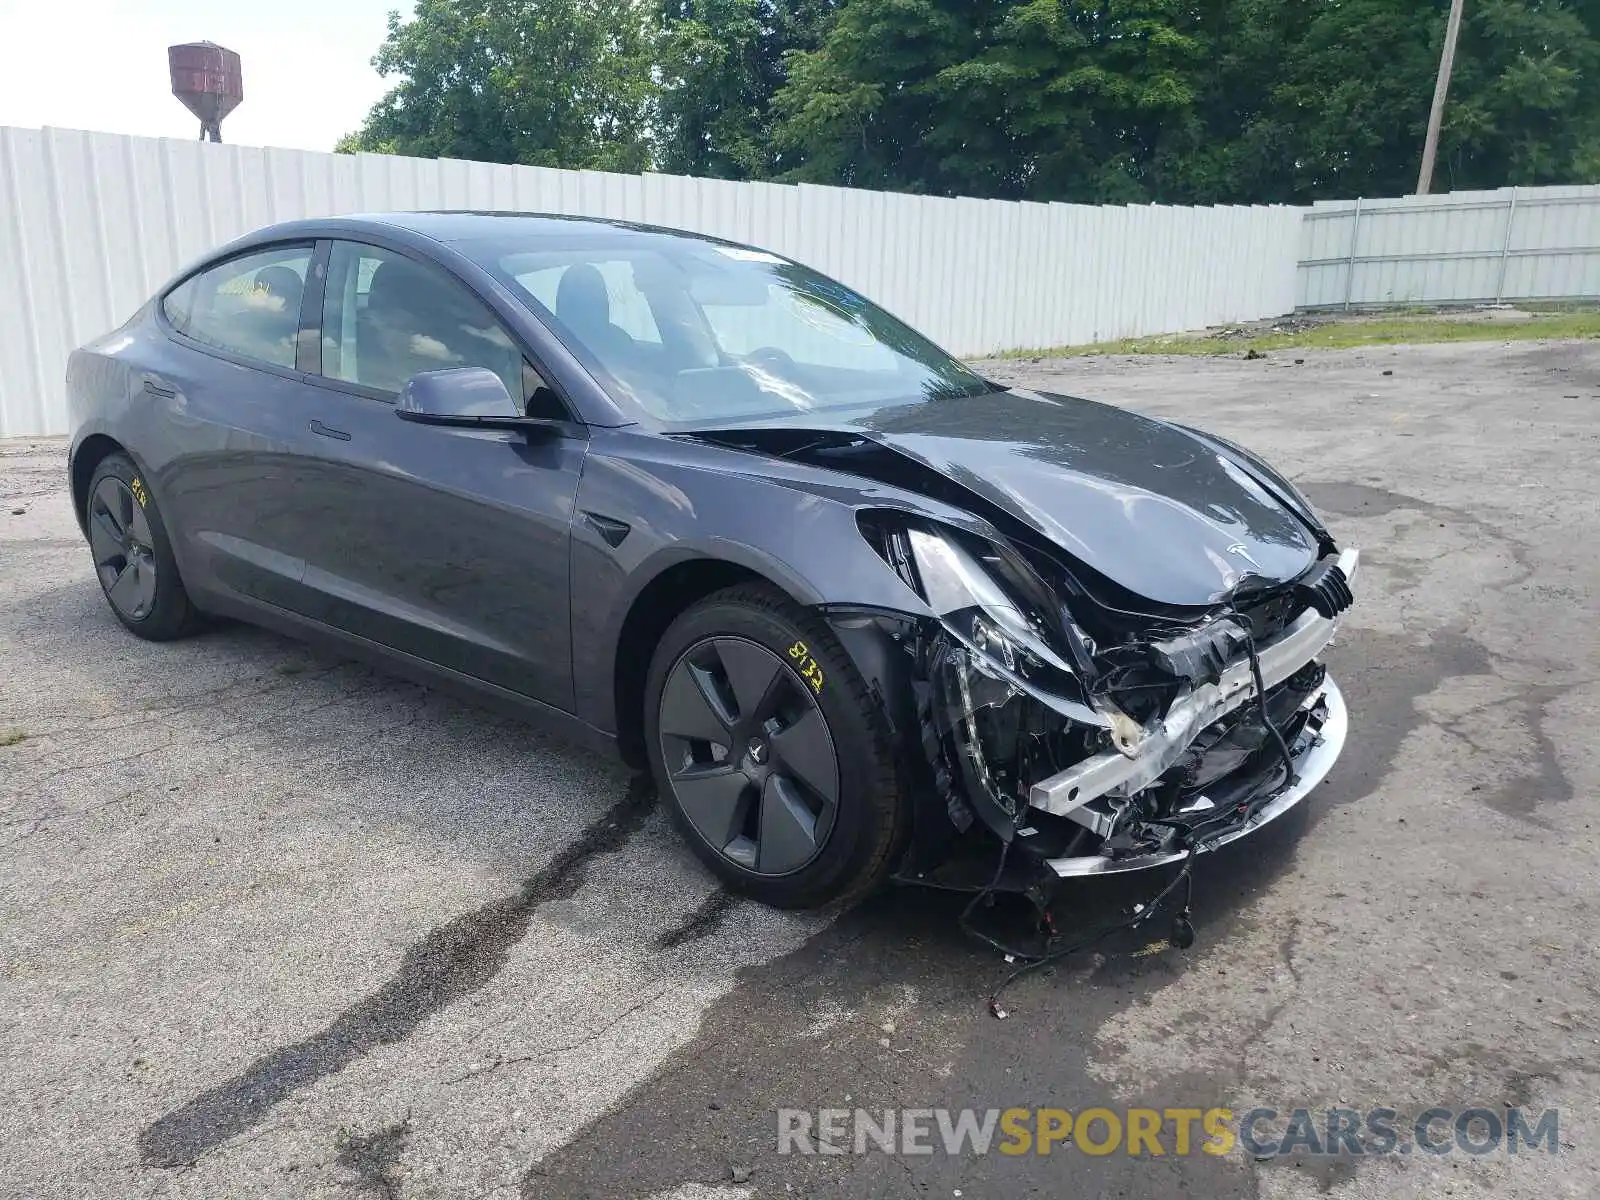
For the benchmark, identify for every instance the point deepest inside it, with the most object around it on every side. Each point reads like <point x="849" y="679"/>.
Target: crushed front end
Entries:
<point x="1091" y="733"/>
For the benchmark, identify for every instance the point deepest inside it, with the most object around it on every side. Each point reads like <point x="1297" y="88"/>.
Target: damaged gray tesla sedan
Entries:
<point x="862" y="612"/>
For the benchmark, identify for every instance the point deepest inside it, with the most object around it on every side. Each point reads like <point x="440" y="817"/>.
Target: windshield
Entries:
<point x="697" y="332"/>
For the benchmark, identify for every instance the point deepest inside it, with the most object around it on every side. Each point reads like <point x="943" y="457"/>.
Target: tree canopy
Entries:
<point x="1175" y="101"/>
<point x="554" y="83"/>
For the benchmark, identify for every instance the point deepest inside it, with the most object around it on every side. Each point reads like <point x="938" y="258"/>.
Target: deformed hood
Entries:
<point x="1168" y="514"/>
<point x="1145" y="503"/>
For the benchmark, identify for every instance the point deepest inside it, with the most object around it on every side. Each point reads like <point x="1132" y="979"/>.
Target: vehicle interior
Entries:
<point x="709" y="334"/>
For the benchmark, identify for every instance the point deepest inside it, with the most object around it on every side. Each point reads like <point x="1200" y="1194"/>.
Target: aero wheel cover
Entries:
<point x="119" y="539"/>
<point x="748" y="755"/>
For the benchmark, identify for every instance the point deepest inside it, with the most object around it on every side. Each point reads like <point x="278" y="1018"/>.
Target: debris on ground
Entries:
<point x="1255" y="329"/>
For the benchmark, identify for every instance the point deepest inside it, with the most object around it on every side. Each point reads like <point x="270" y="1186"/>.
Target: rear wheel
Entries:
<point x="771" y="753"/>
<point x="133" y="555"/>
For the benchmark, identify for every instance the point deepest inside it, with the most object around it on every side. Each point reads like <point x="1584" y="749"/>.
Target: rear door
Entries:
<point x="228" y="388"/>
<point x="450" y="545"/>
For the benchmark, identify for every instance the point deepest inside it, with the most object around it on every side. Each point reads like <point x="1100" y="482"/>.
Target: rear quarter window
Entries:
<point x="179" y="306"/>
<point x="249" y="305"/>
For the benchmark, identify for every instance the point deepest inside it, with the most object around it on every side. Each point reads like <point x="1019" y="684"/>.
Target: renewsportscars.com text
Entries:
<point x="1155" y="1132"/>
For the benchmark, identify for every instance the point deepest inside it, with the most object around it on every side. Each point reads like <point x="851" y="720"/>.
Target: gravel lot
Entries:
<point x="273" y="923"/>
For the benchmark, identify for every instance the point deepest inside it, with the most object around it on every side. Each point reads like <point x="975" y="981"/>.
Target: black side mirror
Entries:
<point x="466" y="398"/>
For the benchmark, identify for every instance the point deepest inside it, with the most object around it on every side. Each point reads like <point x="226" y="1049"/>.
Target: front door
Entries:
<point x="450" y="545"/>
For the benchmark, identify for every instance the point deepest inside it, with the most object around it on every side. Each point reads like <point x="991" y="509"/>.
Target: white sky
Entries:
<point x="102" y="64"/>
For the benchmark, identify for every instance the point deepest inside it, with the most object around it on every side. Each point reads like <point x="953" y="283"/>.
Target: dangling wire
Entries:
<point x="978" y="897"/>
<point x="1141" y="914"/>
<point x="1187" y="834"/>
<point x="1245" y="628"/>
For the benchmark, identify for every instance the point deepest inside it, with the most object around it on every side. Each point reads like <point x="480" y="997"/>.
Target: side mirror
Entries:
<point x="466" y="398"/>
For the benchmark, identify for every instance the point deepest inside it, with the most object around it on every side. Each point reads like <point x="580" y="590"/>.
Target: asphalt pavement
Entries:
<point x="274" y="923"/>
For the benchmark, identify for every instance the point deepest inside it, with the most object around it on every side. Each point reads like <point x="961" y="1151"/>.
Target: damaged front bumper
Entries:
<point x="1240" y="743"/>
<point x="1073" y="791"/>
<point x="1314" y="752"/>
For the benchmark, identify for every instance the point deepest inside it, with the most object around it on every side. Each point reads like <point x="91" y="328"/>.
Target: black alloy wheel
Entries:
<point x="132" y="553"/>
<point x="748" y="755"/>
<point x="771" y="752"/>
<point x="119" y="539"/>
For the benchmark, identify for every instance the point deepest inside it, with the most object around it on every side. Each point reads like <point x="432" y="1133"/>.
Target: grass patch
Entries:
<point x="12" y="737"/>
<point x="1347" y="334"/>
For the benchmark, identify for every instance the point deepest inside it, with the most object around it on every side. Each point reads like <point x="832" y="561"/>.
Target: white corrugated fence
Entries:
<point x="1460" y="247"/>
<point x="92" y="223"/>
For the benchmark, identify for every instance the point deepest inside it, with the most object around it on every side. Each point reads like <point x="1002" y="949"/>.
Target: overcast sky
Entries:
<point x="102" y="64"/>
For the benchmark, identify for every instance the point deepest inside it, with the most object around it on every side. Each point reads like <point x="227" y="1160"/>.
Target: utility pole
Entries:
<point x="1447" y="62"/>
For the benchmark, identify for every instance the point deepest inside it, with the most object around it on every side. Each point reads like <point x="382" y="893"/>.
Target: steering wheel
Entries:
<point x="770" y="357"/>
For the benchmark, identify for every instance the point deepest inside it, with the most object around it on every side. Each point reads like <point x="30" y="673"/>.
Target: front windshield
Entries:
<point x="697" y="332"/>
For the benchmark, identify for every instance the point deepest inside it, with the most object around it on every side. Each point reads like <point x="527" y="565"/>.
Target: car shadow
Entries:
<point x="388" y="751"/>
<point x="887" y="1008"/>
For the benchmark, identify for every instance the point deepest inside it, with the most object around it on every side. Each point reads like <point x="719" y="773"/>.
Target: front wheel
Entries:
<point x="771" y="753"/>
<point x="133" y="554"/>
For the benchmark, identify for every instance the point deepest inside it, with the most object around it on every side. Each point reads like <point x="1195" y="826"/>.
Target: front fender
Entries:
<point x="791" y="524"/>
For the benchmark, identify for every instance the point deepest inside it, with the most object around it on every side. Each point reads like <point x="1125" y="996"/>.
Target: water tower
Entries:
<point x="206" y="77"/>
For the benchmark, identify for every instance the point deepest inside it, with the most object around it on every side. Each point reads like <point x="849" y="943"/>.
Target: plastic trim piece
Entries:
<point x="1311" y="767"/>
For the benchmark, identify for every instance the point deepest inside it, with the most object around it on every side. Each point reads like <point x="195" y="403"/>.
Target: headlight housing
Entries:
<point x="1008" y="639"/>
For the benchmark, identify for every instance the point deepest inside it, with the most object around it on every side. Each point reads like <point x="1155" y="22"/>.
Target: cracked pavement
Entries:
<point x="274" y="923"/>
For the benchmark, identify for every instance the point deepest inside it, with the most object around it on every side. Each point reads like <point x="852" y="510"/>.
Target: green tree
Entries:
<point x="1096" y="93"/>
<point x="1190" y="101"/>
<point x="1038" y="98"/>
<point x="1528" y="110"/>
<point x="1344" y="112"/>
<point x="867" y="107"/>
<point x="1174" y="101"/>
<point x="564" y="83"/>
<point x="720" y="63"/>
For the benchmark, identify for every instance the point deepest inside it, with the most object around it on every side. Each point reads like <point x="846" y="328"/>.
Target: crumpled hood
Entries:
<point x="1165" y="514"/>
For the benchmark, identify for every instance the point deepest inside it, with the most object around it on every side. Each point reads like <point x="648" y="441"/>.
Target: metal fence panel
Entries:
<point x="1459" y="247"/>
<point x="91" y="224"/>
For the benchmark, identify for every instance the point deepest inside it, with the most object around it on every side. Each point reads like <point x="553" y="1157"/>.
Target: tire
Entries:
<point x="133" y="554"/>
<point x="744" y="808"/>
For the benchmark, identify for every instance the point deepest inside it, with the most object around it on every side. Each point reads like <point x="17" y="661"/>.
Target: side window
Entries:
<point x="249" y="305"/>
<point x="387" y="318"/>
<point x="624" y="305"/>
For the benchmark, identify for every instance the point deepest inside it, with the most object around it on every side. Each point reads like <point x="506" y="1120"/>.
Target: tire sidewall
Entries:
<point x="171" y="613"/>
<point x="851" y="845"/>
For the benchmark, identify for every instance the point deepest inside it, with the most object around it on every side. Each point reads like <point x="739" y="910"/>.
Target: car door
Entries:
<point x="228" y="390"/>
<point x="449" y="545"/>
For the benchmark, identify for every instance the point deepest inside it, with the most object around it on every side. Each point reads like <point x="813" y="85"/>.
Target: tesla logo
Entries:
<point x="1239" y="549"/>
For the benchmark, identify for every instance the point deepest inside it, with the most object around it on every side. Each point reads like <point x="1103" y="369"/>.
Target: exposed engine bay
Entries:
<point x="1121" y="748"/>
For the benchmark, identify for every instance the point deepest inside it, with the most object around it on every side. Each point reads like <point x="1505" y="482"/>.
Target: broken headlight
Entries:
<point x="975" y="608"/>
<point x="992" y="604"/>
